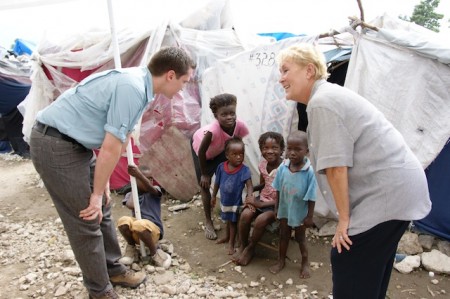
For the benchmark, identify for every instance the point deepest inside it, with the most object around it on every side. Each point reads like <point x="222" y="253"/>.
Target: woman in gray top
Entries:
<point x="367" y="174"/>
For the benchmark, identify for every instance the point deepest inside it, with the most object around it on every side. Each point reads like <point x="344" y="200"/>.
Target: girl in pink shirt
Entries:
<point x="208" y="146"/>
<point x="262" y="208"/>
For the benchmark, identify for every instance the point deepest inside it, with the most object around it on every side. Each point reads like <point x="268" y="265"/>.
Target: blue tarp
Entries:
<point x="280" y="35"/>
<point x="12" y="93"/>
<point x="338" y="54"/>
<point x="438" y="176"/>
<point x="23" y="47"/>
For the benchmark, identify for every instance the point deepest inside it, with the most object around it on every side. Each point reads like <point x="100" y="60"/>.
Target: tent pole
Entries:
<point x="118" y="65"/>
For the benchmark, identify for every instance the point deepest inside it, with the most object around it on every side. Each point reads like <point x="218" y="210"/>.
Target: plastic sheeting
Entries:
<point x="438" y="176"/>
<point x="411" y="90"/>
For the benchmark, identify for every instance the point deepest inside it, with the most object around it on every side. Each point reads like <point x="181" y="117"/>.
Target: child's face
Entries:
<point x="296" y="150"/>
<point x="271" y="150"/>
<point x="235" y="154"/>
<point x="226" y="116"/>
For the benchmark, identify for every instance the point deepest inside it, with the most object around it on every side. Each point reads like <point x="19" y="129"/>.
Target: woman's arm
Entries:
<point x="338" y="180"/>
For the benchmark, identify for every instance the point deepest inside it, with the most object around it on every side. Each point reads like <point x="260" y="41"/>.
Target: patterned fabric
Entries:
<point x="268" y="193"/>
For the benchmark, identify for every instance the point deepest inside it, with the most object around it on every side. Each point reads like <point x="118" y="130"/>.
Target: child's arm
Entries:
<point x="277" y="203"/>
<point x="129" y="201"/>
<point x="308" y="221"/>
<point x="214" y="195"/>
<point x="205" y="180"/>
<point x="144" y="183"/>
<point x="261" y="185"/>
<point x="249" y="185"/>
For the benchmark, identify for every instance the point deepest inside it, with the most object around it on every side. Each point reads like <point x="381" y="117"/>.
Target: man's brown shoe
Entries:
<point x="107" y="295"/>
<point x="129" y="279"/>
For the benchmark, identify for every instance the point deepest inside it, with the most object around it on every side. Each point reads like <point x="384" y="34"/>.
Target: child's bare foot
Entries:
<point x="237" y="254"/>
<point x="210" y="233"/>
<point x="277" y="267"/>
<point x="304" y="270"/>
<point x="245" y="257"/>
<point x="223" y="240"/>
<point x="231" y="250"/>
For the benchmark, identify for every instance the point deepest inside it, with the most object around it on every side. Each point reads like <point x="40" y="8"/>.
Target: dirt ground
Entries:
<point x="23" y="199"/>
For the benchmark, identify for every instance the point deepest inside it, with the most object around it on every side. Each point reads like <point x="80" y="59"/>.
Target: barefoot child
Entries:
<point x="296" y="187"/>
<point x="208" y="145"/>
<point x="262" y="209"/>
<point x="231" y="178"/>
<point x="149" y="229"/>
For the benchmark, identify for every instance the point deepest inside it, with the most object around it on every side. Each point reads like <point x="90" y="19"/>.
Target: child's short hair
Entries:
<point x="222" y="100"/>
<point x="299" y="135"/>
<point x="233" y="140"/>
<point x="274" y="135"/>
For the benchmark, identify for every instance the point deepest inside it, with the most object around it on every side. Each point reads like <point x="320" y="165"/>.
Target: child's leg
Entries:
<point x="226" y="238"/>
<point x="245" y="221"/>
<point x="300" y="237"/>
<point x="146" y="237"/>
<point x="210" y="233"/>
<point x="126" y="233"/>
<point x="285" y="235"/>
<point x="232" y="228"/>
<point x="261" y="221"/>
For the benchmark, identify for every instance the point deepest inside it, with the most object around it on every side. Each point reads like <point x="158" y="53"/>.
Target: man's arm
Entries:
<point x="107" y="159"/>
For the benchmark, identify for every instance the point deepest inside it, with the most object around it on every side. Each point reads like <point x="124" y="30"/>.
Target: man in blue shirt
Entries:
<point x="100" y="112"/>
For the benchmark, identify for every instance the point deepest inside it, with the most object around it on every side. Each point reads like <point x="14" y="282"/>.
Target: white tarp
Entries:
<point x="412" y="91"/>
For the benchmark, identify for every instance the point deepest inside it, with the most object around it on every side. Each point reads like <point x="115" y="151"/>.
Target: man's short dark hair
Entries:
<point x="171" y="58"/>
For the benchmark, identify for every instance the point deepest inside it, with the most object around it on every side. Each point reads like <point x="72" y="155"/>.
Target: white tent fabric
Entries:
<point x="412" y="91"/>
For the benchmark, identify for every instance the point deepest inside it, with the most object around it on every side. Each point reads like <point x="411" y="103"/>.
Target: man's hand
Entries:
<point x="94" y="209"/>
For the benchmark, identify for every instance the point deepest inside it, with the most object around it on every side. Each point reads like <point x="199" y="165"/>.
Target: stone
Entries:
<point x="426" y="241"/>
<point x="168" y="289"/>
<point x="184" y="287"/>
<point x="164" y="278"/>
<point x="444" y="247"/>
<point x="408" y="264"/>
<point x="328" y="229"/>
<point x="436" y="261"/>
<point x="409" y="244"/>
<point x="61" y="291"/>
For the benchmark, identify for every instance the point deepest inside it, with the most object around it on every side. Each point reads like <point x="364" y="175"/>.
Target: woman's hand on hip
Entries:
<point x="341" y="238"/>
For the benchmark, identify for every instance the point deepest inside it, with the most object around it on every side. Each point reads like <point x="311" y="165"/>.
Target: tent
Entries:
<point x="14" y="87"/>
<point x="228" y="63"/>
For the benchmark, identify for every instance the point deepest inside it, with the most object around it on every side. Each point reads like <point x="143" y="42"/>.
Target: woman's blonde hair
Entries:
<point x="303" y="54"/>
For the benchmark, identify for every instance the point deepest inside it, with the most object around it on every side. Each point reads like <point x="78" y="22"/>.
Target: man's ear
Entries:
<point x="171" y="75"/>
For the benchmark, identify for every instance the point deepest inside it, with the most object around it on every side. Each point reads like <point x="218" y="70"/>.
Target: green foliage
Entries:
<point x="424" y="15"/>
